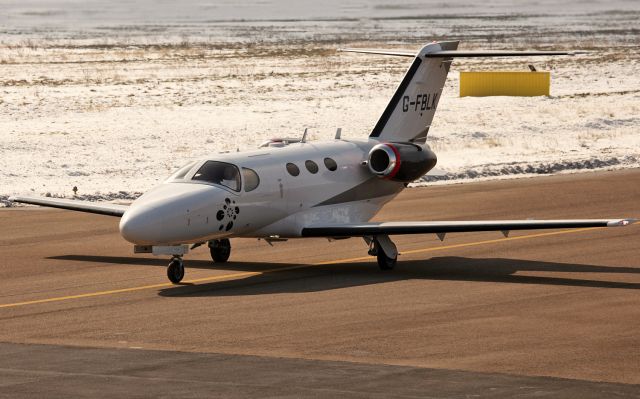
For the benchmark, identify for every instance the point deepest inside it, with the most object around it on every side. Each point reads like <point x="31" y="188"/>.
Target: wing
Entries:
<point x="395" y="228"/>
<point x="100" y="208"/>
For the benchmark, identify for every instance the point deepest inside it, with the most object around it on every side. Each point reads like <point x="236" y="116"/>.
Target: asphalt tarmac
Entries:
<point x="541" y="313"/>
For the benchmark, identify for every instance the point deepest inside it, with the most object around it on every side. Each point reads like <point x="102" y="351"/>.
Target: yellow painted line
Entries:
<point x="280" y="269"/>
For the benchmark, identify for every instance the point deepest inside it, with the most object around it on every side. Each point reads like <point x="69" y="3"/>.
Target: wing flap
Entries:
<point x="100" y="208"/>
<point x="397" y="228"/>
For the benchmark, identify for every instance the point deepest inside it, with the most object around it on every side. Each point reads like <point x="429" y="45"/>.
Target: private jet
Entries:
<point x="296" y="188"/>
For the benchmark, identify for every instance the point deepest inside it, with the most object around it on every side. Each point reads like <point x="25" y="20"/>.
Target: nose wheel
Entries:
<point x="175" y="271"/>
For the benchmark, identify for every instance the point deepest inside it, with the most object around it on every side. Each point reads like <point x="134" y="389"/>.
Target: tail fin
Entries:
<point x="409" y="114"/>
<point x="411" y="109"/>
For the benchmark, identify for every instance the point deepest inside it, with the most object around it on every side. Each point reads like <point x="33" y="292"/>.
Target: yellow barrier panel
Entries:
<point x="479" y="84"/>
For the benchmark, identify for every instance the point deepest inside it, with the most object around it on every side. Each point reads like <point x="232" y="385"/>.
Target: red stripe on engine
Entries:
<point x="396" y="168"/>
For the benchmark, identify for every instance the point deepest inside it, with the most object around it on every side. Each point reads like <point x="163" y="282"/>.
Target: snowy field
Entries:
<point x="112" y="99"/>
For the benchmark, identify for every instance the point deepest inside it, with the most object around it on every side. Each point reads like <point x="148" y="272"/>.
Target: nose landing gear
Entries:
<point x="175" y="271"/>
<point x="220" y="251"/>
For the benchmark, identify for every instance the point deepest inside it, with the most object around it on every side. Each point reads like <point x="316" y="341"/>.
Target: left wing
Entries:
<point x="101" y="208"/>
<point x="394" y="228"/>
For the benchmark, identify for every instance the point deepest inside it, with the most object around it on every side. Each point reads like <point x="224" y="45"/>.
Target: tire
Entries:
<point x="175" y="271"/>
<point x="220" y="250"/>
<point x="384" y="262"/>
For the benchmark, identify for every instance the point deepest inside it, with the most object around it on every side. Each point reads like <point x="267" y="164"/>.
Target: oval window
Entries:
<point x="330" y="164"/>
<point x="251" y="179"/>
<point x="311" y="166"/>
<point x="293" y="169"/>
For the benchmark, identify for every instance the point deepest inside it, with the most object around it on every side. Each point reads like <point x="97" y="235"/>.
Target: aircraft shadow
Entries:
<point x="164" y="261"/>
<point x="329" y="277"/>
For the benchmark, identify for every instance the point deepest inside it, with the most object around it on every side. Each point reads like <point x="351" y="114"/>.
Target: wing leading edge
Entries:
<point x="397" y="228"/>
<point x="73" y="205"/>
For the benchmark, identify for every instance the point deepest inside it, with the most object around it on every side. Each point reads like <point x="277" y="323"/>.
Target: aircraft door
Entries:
<point x="296" y="187"/>
<point x="262" y="196"/>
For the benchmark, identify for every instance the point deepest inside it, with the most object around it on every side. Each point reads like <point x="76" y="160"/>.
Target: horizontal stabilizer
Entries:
<point x="393" y="228"/>
<point x="399" y="53"/>
<point x="100" y="208"/>
<point x="494" y="53"/>
<point x="461" y="53"/>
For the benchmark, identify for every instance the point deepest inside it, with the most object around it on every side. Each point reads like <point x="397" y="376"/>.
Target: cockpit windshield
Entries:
<point x="182" y="172"/>
<point x="224" y="174"/>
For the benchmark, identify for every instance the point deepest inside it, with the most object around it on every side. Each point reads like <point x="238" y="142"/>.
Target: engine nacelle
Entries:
<point x="401" y="161"/>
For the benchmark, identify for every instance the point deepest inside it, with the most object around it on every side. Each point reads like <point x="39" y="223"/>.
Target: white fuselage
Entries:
<point x="186" y="210"/>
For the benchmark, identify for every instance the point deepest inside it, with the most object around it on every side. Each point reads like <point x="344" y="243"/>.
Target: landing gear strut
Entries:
<point x="175" y="271"/>
<point x="384" y="249"/>
<point x="220" y="250"/>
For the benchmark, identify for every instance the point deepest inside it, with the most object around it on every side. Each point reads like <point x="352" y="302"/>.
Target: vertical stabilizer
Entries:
<point x="410" y="111"/>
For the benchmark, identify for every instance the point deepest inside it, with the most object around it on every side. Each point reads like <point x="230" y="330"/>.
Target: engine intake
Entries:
<point x="401" y="161"/>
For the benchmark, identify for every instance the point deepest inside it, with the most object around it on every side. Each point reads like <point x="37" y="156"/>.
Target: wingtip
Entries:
<point x="621" y="222"/>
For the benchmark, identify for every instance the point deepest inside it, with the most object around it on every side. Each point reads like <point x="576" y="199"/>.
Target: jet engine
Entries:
<point x="404" y="162"/>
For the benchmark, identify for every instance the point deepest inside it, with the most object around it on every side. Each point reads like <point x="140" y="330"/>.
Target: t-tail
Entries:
<point x="409" y="114"/>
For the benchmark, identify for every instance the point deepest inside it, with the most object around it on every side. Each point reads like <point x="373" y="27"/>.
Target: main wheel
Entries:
<point x="384" y="262"/>
<point x="220" y="250"/>
<point x="175" y="271"/>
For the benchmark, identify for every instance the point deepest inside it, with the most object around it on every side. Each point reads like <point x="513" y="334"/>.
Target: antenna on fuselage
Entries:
<point x="304" y="135"/>
<point x="338" y="133"/>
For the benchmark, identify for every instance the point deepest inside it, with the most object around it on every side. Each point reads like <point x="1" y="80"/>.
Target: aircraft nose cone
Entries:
<point x="170" y="214"/>
<point x="135" y="226"/>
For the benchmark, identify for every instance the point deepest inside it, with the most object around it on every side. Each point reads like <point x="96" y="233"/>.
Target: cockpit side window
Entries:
<point x="251" y="179"/>
<point x="222" y="173"/>
<point x="182" y="172"/>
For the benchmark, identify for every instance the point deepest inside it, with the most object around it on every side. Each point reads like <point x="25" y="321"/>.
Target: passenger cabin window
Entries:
<point x="293" y="169"/>
<point x="221" y="173"/>
<point x="311" y="166"/>
<point x="182" y="172"/>
<point x="251" y="179"/>
<point x="330" y="164"/>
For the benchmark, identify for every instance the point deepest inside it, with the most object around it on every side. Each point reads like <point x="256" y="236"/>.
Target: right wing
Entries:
<point x="100" y="208"/>
<point x="440" y="227"/>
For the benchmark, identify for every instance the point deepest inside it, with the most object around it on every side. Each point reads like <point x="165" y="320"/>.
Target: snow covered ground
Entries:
<point x="112" y="104"/>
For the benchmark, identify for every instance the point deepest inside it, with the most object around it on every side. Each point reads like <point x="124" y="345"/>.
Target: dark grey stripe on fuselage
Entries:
<point x="374" y="187"/>
<point x="382" y="122"/>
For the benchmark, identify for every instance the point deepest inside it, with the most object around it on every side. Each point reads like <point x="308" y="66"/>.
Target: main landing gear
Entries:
<point x="175" y="271"/>
<point x="384" y="249"/>
<point x="220" y="250"/>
